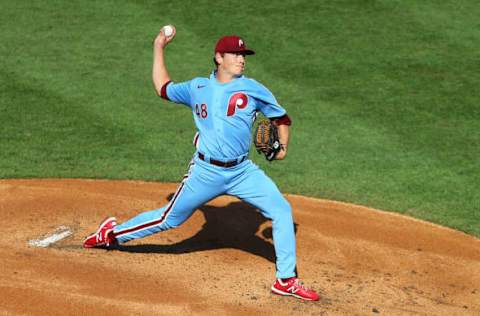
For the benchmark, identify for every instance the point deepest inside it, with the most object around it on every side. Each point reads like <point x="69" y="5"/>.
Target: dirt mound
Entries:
<point x="362" y="261"/>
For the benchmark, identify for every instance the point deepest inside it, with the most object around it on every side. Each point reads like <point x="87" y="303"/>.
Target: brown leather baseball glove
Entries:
<point x="266" y="140"/>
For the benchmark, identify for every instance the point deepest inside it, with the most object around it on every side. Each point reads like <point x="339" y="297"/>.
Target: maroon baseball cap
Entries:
<point x="232" y="44"/>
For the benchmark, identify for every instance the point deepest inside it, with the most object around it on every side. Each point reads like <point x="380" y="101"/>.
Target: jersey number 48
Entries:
<point x="201" y="110"/>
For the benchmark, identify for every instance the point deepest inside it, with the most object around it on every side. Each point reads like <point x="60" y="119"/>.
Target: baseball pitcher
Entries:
<point x="224" y="106"/>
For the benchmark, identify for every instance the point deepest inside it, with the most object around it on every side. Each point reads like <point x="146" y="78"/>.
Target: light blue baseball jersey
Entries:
<point x="224" y="112"/>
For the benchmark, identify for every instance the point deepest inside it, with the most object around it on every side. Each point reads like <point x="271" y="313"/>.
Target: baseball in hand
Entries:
<point x="168" y="30"/>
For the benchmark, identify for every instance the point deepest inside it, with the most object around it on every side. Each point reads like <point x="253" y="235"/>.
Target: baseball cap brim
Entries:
<point x="243" y="51"/>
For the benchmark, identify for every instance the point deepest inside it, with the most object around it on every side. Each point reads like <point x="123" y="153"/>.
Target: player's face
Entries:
<point x="232" y="63"/>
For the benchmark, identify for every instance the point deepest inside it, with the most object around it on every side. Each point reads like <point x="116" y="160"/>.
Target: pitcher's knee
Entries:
<point x="283" y="209"/>
<point x="286" y="205"/>
<point x="173" y="222"/>
<point x="170" y="224"/>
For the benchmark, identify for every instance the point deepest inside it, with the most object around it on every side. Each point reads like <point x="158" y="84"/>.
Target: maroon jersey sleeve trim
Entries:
<point x="163" y="91"/>
<point x="282" y="120"/>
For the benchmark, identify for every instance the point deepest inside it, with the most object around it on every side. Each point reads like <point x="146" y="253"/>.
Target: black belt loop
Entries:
<point x="225" y="164"/>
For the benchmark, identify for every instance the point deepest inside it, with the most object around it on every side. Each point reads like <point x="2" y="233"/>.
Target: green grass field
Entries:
<point x="383" y="95"/>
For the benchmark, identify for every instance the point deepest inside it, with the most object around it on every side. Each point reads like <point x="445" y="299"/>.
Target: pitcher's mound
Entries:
<point x="221" y="261"/>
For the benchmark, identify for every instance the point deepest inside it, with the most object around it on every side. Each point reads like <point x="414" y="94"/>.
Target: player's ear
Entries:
<point x="218" y="58"/>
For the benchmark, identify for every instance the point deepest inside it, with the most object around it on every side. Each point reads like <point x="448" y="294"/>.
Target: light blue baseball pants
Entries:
<point x="204" y="182"/>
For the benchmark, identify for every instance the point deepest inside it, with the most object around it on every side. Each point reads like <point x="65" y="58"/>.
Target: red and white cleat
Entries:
<point x="103" y="237"/>
<point x="294" y="287"/>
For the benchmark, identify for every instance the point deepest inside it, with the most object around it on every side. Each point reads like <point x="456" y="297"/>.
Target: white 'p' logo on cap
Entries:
<point x="240" y="43"/>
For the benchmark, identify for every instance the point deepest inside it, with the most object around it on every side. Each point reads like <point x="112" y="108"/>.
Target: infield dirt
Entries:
<point x="221" y="261"/>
